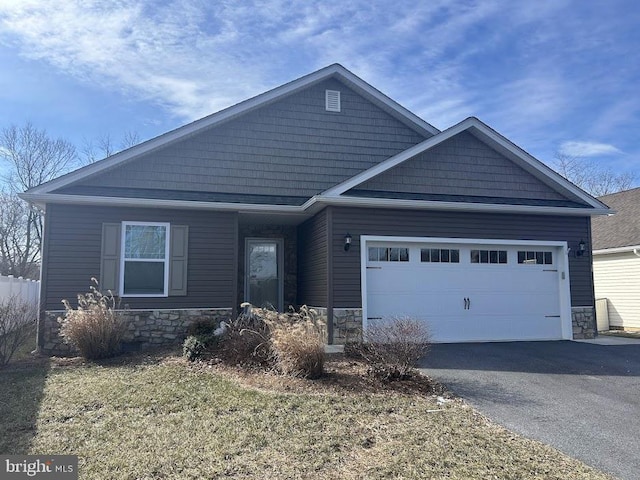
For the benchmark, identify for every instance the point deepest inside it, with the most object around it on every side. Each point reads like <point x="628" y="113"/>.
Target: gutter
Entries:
<point x="635" y="249"/>
<point x="306" y="209"/>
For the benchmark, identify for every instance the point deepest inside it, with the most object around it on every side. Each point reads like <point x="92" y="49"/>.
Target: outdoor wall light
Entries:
<point x="347" y="242"/>
<point x="581" y="248"/>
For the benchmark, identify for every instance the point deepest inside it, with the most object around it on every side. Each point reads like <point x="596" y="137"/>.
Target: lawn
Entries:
<point x="153" y="417"/>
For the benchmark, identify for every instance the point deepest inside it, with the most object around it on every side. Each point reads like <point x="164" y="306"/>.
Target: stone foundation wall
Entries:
<point x="583" y="320"/>
<point x="145" y="328"/>
<point x="347" y="325"/>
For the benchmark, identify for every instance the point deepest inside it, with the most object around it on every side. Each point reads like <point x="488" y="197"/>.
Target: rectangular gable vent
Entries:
<point x="332" y="100"/>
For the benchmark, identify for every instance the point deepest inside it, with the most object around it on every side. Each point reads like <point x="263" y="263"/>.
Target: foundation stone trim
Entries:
<point x="145" y="328"/>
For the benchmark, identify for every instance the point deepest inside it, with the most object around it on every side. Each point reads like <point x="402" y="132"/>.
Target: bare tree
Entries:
<point x="591" y="176"/>
<point x="104" y="146"/>
<point x="19" y="251"/>
<point x="30" y="157"/>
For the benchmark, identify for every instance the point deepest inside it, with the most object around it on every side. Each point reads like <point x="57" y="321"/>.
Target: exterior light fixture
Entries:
<point x="581" y="248"/>
<point x="347" y="242"/>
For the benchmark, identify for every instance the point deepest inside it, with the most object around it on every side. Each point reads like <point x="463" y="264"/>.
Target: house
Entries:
<point x="328" y="193"/>
<point x="616" y="262"/>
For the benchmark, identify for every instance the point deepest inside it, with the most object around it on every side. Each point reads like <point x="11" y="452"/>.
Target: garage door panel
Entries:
<point x="507" y="301"/>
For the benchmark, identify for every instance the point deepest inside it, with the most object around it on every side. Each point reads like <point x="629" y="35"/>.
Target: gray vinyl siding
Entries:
<point x="73" y="246"/>
<point x="293" y="145"/>
<point x="312" y="261"/>
<point x="359" y="221"/>
<point x="462" y="165"/>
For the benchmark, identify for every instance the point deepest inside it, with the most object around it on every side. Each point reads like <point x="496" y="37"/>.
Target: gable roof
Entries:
<point x="73" y="188"/>
<point x="488" y="136"/>
<point x="332" y="71"/>
<point x="619" y="232"/>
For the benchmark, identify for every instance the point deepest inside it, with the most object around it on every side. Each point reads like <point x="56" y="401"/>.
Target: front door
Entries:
<point x="263" y="273"/>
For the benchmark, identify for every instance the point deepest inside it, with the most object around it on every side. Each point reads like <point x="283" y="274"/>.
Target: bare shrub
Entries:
<point x="96" y="327"/>
<point x="247" y="340"/>
<point x="17" y="326"/>
<point x="393" y="346"/>
<point x="297" y="340"/>
<point x="291" y="343"/>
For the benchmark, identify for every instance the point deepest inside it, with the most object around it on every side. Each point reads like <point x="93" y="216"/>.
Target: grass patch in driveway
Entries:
<point x="157" y="418"/>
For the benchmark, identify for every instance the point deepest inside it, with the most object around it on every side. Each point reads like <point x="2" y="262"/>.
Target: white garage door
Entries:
<point x="468" y="291"/>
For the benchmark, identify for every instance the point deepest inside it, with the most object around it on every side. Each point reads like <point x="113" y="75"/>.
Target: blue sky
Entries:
<point x="550" y="75"/>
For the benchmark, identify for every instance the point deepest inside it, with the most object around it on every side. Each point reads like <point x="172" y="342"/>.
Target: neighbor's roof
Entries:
<point x="621" y="229"/>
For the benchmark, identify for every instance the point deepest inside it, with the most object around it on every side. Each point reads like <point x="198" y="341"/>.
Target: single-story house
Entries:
<point x="327" y="193"/>
<point x="616" y="261"/>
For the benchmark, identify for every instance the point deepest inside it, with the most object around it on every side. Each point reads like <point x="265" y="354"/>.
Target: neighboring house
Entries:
<point x="324" y="192"/>
<point x="616" y="259"/>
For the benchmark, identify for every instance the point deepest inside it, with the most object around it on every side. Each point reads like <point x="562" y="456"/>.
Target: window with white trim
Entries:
<point x="489" y="256"/>
<point x="388" y="254"/>
<point x="535" y="258"/>
<point x="439" y="255"/>
<point x="144" y="271"/>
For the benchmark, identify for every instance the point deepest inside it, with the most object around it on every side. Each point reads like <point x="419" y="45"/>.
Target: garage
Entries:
<point x="469" y="290"/>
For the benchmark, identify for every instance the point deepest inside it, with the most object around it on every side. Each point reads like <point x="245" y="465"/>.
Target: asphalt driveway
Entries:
<point x="581" y="398"/>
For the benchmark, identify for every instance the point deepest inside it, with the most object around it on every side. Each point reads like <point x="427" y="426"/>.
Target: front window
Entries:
<point x="145" y="259"/>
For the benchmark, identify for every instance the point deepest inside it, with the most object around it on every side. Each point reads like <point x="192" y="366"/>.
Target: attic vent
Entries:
<point x="332" y="100"/>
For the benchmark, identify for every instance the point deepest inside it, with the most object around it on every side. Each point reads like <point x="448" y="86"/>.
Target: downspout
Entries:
<point x="636" y="252"/>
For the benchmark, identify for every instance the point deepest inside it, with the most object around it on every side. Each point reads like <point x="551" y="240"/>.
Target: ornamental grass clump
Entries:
<point x="297" y="342"/>
<point x="96" y="328"/>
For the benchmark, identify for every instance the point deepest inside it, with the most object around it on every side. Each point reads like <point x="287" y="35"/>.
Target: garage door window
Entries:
<point x="489" y="256"/>
<point x="439" y="255"/>
<point x="388" y="254"/>
<point x="535" y="258"/>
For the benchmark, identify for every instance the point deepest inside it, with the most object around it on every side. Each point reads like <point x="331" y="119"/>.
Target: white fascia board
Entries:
<point x="43" y="199"/>
<point x="230" y="113"/>
<point x="459" y="206"/>
<point x="605" y="251"/>
<point x="535" y="163"/>
<point x="488" y="133"/>
<point x="363" y="86"/>
<point x="396" y="160"/>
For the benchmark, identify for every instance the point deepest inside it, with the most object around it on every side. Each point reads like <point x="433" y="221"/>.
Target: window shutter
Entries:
<point x="178" y="253"/>
<point x="110" y="257"/>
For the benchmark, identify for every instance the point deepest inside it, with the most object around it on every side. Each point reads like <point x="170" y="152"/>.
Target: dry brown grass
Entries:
<point x="183" y="421"/>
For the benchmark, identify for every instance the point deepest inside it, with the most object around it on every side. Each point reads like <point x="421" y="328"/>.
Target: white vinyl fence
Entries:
<point x="22" y="288"/>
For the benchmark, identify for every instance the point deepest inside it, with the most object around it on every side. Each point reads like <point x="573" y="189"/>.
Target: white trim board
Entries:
<point x="335" y="70"/>
<point x="477" y="128"/>
<point x="310" y="207"/>
<point x="605" y="251"/>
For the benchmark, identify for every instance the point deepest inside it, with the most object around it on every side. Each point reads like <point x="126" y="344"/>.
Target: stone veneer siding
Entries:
<point x="584" y="322"/>
<point x="145" y="328"/>
<point x="347" y="323"/>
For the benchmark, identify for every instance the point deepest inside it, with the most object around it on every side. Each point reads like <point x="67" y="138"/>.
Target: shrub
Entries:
<point x="247" y="340"/>
<point x="297" y="341"/>
<point x="96" y="327"/>
<point x="203" y="326"/>
<point x="292" y="343"/>
<point x="392" y="347"/>
<point x="202" y="336"/>
<point x="193" y="347"/>
<point x="17" y="326"/>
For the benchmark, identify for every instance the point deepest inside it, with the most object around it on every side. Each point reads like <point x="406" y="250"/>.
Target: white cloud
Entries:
<point x="588" y="149"/>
